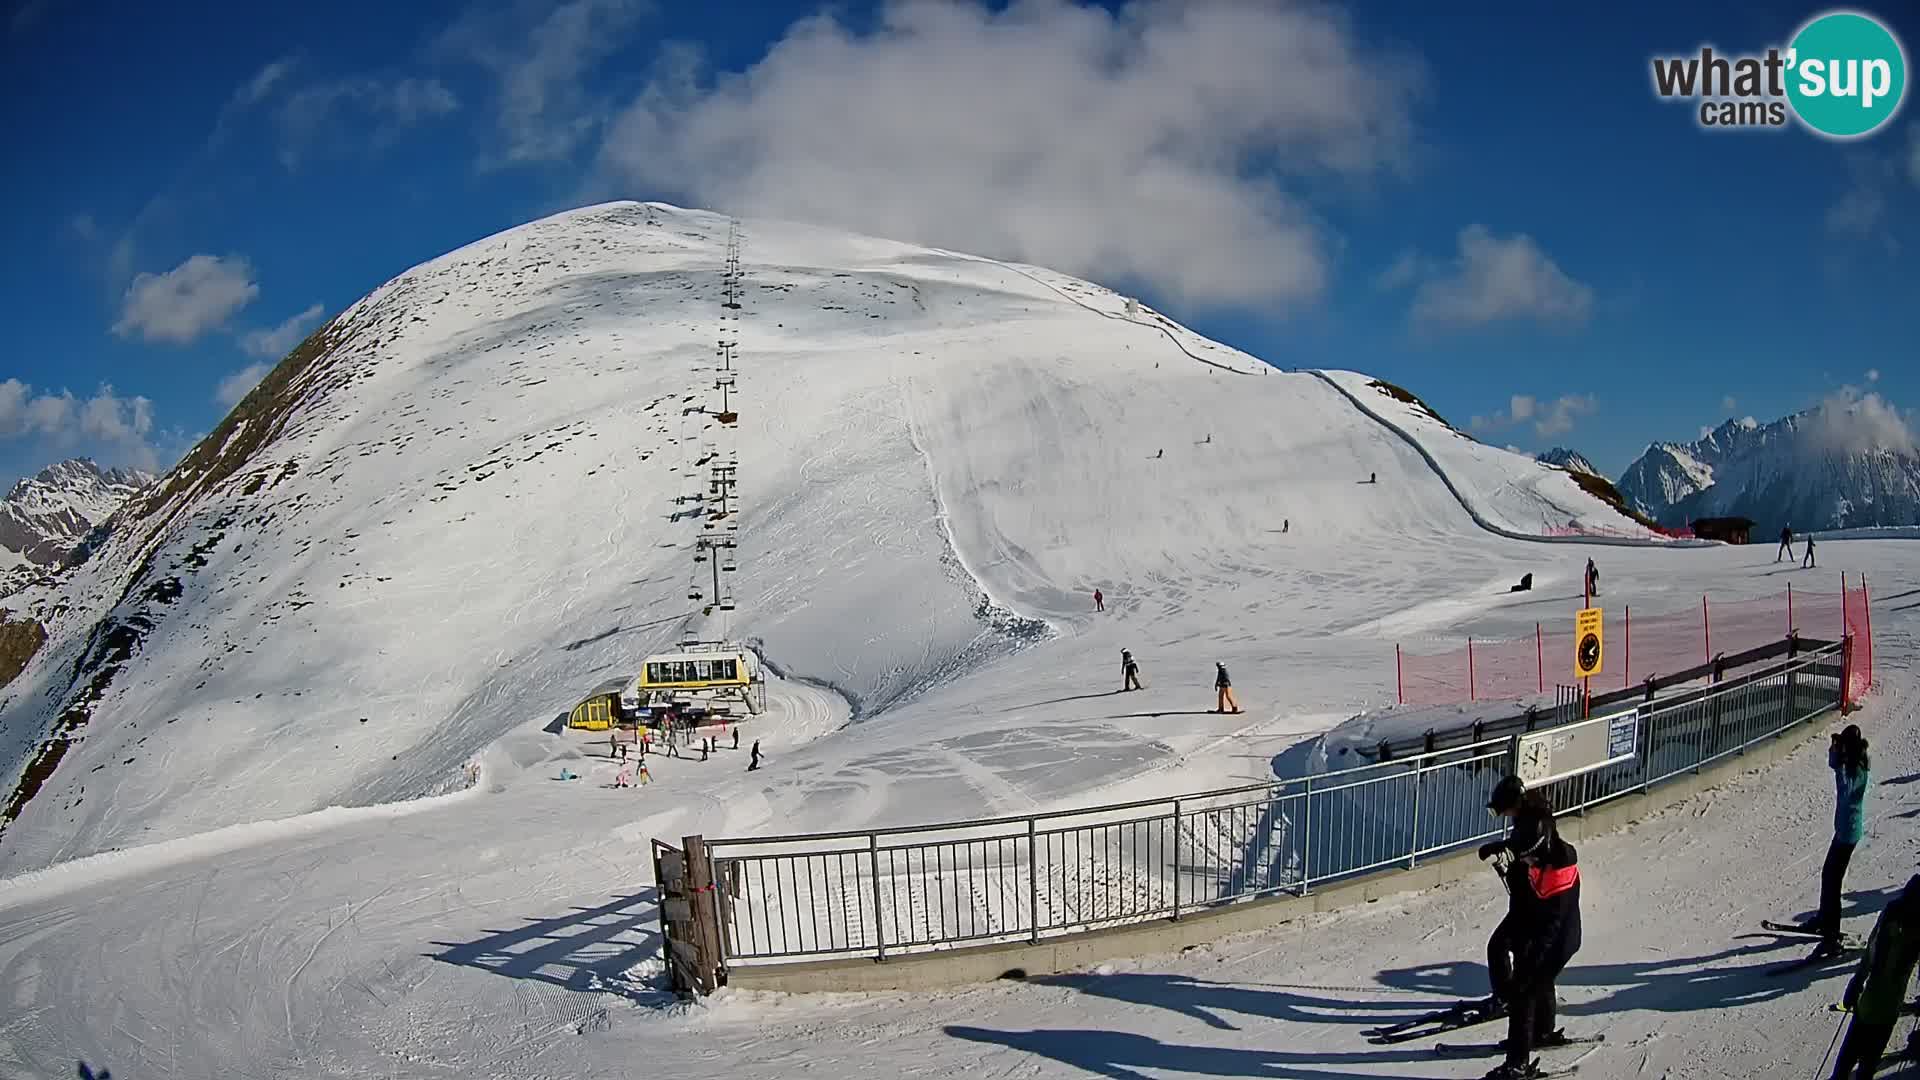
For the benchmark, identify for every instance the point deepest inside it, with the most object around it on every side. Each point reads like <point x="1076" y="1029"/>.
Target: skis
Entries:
<point x="1464" y="1015"/>
<point x="1847" y="941"/>
<point x="1501" y="1048"/>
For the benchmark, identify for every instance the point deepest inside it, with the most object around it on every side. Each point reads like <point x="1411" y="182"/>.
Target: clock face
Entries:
<point x="1589" y="654"/>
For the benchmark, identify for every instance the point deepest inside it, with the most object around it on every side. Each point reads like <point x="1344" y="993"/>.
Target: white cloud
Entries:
<point x="1873" y="375"/>
<point x="1849" y="421"/>
<point x="1729" y="403"/>
<point x="1494" y="279"/>
<point x="180" y="305"/>
<point x="235" y="386"/>
<point x="1861" y="210"/>
<point x="255" y="90"/>
<point x="1549" y="418"/>
<point x="119" y="427"/>
<point x="362" y="110"/>
<point x="540" y="60"/>
<point x="1407" y="267"/>
<point x="280" y="340"/>
<point x="1152" y="146"/>
<point x="1560" y="416"/>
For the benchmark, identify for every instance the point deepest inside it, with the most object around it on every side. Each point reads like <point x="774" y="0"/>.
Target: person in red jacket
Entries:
<point x="1099" y="601"/>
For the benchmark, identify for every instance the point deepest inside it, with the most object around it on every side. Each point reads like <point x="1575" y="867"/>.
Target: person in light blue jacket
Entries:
<point x="1852" y="776"/>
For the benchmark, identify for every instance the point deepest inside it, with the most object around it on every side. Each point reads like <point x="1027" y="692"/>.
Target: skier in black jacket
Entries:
<point x="1546" y="891"/>
<point x="1504" y="802"/>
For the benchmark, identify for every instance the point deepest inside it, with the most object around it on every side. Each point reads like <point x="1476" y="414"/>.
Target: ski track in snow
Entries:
<point x="919" y="444"/>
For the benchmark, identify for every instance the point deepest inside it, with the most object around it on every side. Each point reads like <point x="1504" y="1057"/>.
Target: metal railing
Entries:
<point x="881" y="892"/>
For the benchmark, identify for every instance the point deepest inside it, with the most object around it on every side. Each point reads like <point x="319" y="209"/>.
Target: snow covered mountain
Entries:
<point x="46" y="516"/>
<point x="475" y="494"/>
<point x="1844" y="464"/>
<point x="1571" y="460"/>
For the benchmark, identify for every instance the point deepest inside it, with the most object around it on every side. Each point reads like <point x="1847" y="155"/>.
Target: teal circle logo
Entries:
<point x="1846" y="74"/>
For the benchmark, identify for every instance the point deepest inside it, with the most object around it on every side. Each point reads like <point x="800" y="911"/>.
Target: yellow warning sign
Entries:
<point x="1588" y="643"/>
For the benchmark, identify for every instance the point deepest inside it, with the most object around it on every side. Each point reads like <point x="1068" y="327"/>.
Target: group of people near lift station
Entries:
<point x="674" y="731"/>
<point x="1541" y="931"/>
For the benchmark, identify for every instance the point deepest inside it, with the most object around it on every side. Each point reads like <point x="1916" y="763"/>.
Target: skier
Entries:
<point x="755" y="763"/>
<point x="1285" y="525"/>
<point x="1786" y="543"/>
<point x="1852" y="776"/>
<point x="1808" y="561"/>
<point x="1546" y="934"/>
<point x="1129" y="672"/>
<point x="736" y="738"/>
<point x="613" y="744"/>
<point x="1099" y="600"/>
<point x="1159" y="454"/>
<point x="623" y="778"/>
<point x="1223" y="690"/>
<point x="1504" y="802"/>
<point x="1373" y="478"/>
<point x="1877" y="990"/>
<point x="1593" y="580"/>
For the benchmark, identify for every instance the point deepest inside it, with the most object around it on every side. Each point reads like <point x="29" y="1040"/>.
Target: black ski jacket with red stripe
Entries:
<point x="1547" y="900"/>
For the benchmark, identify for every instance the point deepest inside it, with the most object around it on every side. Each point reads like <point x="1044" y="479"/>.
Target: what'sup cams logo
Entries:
<point x="1842" y="76"/>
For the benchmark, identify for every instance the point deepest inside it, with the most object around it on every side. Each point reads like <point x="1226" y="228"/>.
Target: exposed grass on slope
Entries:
<point x="1402" y="394"/>
<point x="252" y="424"/>
<point x="19" y="640"/>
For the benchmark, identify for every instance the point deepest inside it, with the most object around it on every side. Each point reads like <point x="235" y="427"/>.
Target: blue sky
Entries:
<point x="1491" y="208"/>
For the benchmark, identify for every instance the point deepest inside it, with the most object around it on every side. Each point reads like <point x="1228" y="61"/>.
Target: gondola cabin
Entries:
<point x="700" y="681"/>
<point x="599" y="710"/>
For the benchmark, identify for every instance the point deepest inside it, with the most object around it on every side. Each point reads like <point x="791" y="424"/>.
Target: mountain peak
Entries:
<point x="1570" y="460"/>
<point x="1842" y="464"/>
<point x="46" y="515"/>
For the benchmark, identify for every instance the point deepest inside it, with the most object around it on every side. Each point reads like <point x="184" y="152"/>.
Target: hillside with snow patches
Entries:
<point x="1814" y="470"/>
<point x="452" y="511"/>
<point x="463" y="504"/>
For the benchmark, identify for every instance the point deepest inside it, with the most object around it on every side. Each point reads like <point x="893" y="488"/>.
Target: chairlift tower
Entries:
<point x="720" y="487"/>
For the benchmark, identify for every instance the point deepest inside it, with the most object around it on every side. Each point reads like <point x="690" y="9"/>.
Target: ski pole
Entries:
<point x="1830" y="1046"/>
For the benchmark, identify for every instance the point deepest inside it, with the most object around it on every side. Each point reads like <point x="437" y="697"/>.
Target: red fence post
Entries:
<point x="1540" y="658"/>
<point x="1399" y="674"/>
<point x="1706" y="627"/>
<point x="1866" y="612"/>
<point x="1470" y="696"/>
<point x="1626" y="669"/>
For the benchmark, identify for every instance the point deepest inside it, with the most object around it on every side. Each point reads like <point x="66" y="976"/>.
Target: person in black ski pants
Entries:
<point x="1546" y="892"/>
<point x="1504" y="802"/>
<point x="1852" y="777"/>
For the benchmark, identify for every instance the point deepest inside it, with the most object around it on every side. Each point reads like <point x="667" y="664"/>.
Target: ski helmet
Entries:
<point x="1506" y="795"/>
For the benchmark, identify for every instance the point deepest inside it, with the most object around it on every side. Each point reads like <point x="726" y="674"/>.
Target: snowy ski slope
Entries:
<point x="468" y="519"/>
<point x="466" y="523"/>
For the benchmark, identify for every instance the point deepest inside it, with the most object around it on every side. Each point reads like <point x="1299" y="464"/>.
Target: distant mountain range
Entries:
<point x="46" y="516"/>
<point x="1570" y="460"/>
<point x="1849" y="463"/>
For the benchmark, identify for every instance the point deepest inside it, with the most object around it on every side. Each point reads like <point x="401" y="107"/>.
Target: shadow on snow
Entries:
<point x="587" y="949"/>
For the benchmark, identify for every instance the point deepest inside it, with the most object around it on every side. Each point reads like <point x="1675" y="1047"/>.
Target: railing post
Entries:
<point x="1176" y="856"/>
<point x="1789" y="607"/>
<point x="1539" y="660"/>
<point x="1306" y="838"/>
<point x="1033" y="881"/>
<point x="1413" y="839"/>
<point x="1399" y="674"/>
<point x="879" y="920"/>
<point x="1626" y="666"/>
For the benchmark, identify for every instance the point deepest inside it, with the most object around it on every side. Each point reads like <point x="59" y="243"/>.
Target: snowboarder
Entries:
<point x="1158" y="454"/>
<point x="755" y="763"/>
<point x="1129" y="672"/>
<point x="1208" y="440"/>
<point x="1593" y="580"/>
<point x="1285" y="525"/>
<point x="1099" y="600"/>
<point x="643" y="776"/>
<point x="1373" y="478"/>
<point x="623" y="778"/>
<point x="1545" y="884"/>
<point x="1852" y="776"/>
<point x="1807" y="563"/>
<point x="1877" y="990"/>
<point x="1525" y="585"/>
<point x="1786" y="543"/>
<point x="1223" y="690"/>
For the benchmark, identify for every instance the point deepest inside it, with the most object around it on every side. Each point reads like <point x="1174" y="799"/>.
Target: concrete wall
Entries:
<point x="1076" y="952"/>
